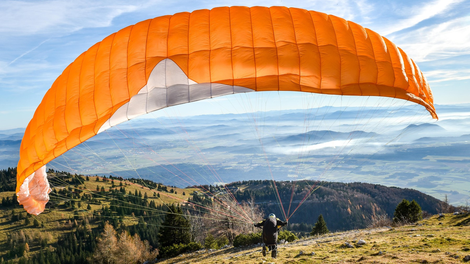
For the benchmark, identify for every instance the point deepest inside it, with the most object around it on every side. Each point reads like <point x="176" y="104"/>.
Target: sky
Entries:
<point x="38" y="39"/>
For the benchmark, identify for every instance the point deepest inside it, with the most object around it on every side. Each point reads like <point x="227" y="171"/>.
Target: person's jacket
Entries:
<point x="271" y="227"/>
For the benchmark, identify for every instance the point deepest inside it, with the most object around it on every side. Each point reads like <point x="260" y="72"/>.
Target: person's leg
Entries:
<point x="274" y="251"/>
<point x="264" y="250"/>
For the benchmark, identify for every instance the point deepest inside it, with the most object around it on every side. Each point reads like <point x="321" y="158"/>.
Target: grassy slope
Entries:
<point x="426" y="242"/>
<point x="56" y="221"/>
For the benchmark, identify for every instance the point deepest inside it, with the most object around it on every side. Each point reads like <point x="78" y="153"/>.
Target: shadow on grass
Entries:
<point x="242" y="250"/>
<point x="464" y="220"/>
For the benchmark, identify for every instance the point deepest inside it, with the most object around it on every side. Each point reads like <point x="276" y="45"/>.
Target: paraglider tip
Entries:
<point x="33" y="194"/>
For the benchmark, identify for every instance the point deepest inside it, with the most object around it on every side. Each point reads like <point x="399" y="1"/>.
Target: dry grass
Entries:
<point x="425" y="242"/>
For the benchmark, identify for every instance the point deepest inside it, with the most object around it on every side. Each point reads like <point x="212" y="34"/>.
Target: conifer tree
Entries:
<point x="402" y="211"/>
<point x="407" y="212"/>
<point x="320" y="227"/>
<point x="416" y="213"/>
<point x="175" y="229"/>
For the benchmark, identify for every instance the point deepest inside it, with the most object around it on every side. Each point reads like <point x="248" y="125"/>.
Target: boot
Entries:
<point x="274" y="253"/>
<point x="264" y="251"/>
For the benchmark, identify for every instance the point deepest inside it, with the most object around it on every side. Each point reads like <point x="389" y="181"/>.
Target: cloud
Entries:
<point x="335" y="147"/>
<point x="437" y="42"/>
<point x="44" y="17"/>
<point x="447" y="75"/>
<point x="27" y="52"/>
<point x="416" y="14"/>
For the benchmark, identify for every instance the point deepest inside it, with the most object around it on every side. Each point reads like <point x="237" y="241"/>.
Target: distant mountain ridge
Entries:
<point x="344" y="206"/>
<point x="317" y="136"/>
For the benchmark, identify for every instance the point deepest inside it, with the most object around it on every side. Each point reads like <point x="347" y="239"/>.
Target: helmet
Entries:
<point x="272" y="215"/>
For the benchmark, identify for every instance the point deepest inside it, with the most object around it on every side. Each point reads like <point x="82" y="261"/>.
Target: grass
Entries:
<point x="433" y="240"/>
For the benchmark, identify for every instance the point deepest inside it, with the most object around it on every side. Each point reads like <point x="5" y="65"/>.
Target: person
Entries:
<point x="271" y="226"/>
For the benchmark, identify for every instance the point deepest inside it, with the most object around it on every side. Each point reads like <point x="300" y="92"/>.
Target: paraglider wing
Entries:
<point x="187" y="57"/>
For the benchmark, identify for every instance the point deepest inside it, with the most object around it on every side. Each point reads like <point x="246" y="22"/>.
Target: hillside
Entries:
<point x="80" y="206"/>
<point x="76" y="213"/>
<point x="434" y="240"/>
<point x="344" y="206"/>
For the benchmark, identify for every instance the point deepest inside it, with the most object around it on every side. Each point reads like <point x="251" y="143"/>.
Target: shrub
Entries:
<point x="287" y="236"/>
<point x="221" y="241"/>
<point x="247" y="239"/>
<point x="209" y="242"/>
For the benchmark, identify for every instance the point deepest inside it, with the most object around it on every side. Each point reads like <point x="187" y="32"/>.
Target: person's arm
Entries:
<point x="260" y="223"/>
<point x="280" y="223"/>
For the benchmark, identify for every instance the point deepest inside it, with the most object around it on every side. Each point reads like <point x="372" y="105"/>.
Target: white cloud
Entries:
<point x="447" y="75"/>
<point x="418" y="14"/>
<point x="42" y="17"/>
<point x="445" y="40"/>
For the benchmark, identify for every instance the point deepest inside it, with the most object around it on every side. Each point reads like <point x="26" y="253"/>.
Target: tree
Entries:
<point x="320" y="227"/>
<point x="106" y="246"/>
<point x="175" y="229"/>
<point x="402" y="212"/>
<point x="416" y="213"/>
<point x="407" y="212"/>
<point x="122" y="249"/>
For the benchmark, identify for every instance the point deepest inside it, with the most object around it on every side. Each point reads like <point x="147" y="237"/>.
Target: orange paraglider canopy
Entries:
<point x="187" y="57"/>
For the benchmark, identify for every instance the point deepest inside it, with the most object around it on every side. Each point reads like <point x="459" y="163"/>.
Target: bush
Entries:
<point x="287" y="236"/>
<point x="247" y="239"/>
<point x="177" y="249"/>
<point x="222" y="241"/>
<point x="211" y="242"/>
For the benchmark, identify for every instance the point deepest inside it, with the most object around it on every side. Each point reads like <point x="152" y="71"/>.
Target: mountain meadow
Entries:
<point x="98" y="219"/>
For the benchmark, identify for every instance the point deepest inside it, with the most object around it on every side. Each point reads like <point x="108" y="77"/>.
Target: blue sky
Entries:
<point x="38" y="39"/>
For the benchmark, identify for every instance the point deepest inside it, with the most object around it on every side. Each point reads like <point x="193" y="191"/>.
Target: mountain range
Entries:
<point x="395" y="147"/>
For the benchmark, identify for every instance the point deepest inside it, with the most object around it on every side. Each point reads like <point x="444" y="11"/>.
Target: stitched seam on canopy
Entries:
<point x="375" y="60"/>
<point x="168" y="56"/>
<point x="109" y="75"/>
<point x="339" y="54"/>
<point x="410" y="76"/>
<point x="65" y="99"/>
<point x="145" y="67"/>
<point x="79" y="96"/>
<point x="297" y="45"/>
<point x="358" y="62"/>
<point x="210" y="54"/>
<point x="187" y="61"/>
<point x="277" y="55"/>
<point x="231" y="47"/>
<point x="391" y="64"/>
<point x="253" y="49"/>
<point x="318" y="48"/>
<point x="127" y="72"/>
<point x="94" y="83"/>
